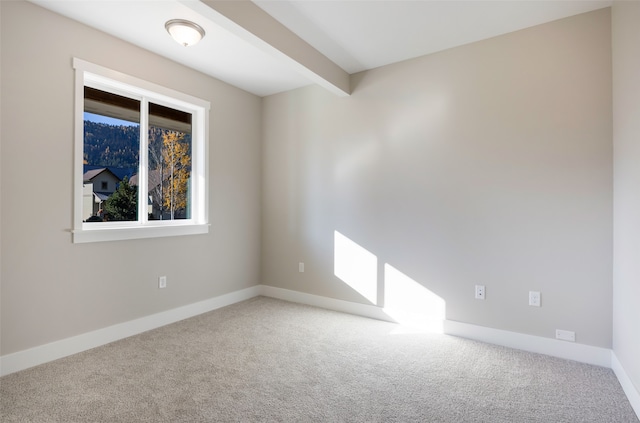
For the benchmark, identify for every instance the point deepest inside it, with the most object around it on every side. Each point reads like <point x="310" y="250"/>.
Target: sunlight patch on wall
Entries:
<point x="412" y="305"/>
<point x="356" y="266"/>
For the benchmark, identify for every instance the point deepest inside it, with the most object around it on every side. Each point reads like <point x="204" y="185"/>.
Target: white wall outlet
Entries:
<point x="566" y="335"/>
<point x="162" y="282"/>
<point x="480" y="292"/>
<point x="534" y="298"/>
<point x="301" y="267"/>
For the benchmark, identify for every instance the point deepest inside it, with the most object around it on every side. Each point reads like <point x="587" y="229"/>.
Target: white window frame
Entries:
<point x="95" y="76"/>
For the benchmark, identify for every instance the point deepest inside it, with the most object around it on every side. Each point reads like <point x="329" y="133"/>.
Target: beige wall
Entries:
<point x="626" y="130"/>
<point x="487" y="164"/>
<point x="53" y="289"/>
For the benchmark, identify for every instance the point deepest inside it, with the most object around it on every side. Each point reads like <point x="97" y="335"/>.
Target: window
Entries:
<point x="140" y="158"/>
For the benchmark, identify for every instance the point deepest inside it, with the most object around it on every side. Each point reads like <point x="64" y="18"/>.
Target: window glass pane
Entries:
<point x="169" y="163"/>
<point x="111" y="157"/>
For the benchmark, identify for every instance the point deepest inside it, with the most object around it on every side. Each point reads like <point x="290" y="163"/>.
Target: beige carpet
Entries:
<point x="266" y="360"/>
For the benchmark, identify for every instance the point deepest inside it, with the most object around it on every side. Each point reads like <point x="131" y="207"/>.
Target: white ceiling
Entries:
<point x="361" y="35"/>
<point x="355" y="34"/>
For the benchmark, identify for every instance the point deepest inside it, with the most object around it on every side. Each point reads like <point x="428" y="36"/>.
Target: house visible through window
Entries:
<point x="142" y="154"/>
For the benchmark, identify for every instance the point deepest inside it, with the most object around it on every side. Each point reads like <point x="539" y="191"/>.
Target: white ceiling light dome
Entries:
<point x="184" y="32"/>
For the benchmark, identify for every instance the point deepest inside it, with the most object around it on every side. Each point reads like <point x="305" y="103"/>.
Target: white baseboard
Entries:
<point x="325" y="302"/>
<point x="21" y="360"/>
<point x="627" y="385"/>
<point x="569" y="350"/>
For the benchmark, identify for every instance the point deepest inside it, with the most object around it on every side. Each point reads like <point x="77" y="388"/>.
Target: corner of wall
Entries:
<point x="626" y="197"/>
<point x="627" y="385"/>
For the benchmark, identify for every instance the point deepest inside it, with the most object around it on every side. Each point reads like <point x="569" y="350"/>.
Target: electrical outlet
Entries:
<point x="480" y="292"/>
<point x="301" y="267"/>
<point x="162" y="282"/>
<point x="534" y="298"/>
<point x="566" y="335"/>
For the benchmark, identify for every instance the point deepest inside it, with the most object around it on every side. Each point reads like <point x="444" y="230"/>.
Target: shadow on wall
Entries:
<point x="404" y="300"/>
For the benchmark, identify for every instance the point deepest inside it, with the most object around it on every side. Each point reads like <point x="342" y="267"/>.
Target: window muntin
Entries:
<point x="171" y="166"/>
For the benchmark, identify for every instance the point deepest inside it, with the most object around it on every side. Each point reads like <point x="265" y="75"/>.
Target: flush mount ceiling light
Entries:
<point x="184" y="32"/>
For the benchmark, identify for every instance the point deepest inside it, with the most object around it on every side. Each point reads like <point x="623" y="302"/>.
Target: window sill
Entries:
<point x="140" y="232"/>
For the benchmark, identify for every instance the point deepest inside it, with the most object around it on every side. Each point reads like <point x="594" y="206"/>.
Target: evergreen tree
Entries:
<point x="123" y="203"/>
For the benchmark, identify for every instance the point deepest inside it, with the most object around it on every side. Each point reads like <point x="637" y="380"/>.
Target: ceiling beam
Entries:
<point x="249" y="22"/>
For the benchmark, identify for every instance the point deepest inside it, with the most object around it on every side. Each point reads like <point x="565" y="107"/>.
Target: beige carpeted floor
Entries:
<point x="266" y="360"/>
